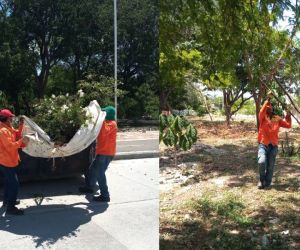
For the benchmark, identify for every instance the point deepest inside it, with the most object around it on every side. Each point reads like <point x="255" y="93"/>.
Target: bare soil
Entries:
<point x="211" y="200"/>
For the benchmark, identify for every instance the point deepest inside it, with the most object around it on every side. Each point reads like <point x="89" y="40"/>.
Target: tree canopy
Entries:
<point x="239" y="45"/>
<point x="51" y="46"/>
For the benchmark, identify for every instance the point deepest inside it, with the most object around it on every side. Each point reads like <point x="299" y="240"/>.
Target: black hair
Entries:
<point x="3" y="118"/>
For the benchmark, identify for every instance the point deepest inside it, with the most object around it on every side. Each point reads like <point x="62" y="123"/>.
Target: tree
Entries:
<point x="231" y="34"/>
<point x="15" y="72"/>
<point x="62" y="43"/>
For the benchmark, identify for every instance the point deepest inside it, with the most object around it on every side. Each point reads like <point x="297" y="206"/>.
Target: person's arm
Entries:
<point x="287" y="122"/>
<point x="263" y="111"/>
<point x="20" y="129"/>
<point x="7" y="140"/>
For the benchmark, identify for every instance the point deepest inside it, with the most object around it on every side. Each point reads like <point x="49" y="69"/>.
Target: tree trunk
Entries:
<point x="77" y="71"/>
<point x="41" y="81"/>
<point x="227" y="107"/>
<point x="163" y="101"/>
<point x="16" y="103"/>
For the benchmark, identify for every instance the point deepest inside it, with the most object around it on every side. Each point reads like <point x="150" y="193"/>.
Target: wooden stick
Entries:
<point x="282" y="104"/>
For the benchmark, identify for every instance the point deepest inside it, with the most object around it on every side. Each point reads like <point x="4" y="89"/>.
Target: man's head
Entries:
<point x="269" y="110"/>
<point x="6" y="116"/>
<point x="110" y="113"/>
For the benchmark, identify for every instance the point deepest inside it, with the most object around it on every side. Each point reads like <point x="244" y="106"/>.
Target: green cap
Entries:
<point x="110" y="113"/>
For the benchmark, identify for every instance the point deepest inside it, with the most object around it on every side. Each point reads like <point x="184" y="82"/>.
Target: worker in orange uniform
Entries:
<point x="105" y="151"/>
<point x="10" y="142"/>
<point x="269" y="125"/>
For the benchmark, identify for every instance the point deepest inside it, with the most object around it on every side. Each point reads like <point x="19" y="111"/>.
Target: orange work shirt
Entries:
<point x="107" y="139"/>
<point x="10" y="142"/>
<point x="269" y="128"/>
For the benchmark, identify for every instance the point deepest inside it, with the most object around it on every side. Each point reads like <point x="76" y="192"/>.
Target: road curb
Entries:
<point x="136" y="155"/>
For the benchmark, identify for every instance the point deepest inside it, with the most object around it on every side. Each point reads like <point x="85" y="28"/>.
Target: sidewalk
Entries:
<point x="137" y="135"/>
<point x="59" y="218"/>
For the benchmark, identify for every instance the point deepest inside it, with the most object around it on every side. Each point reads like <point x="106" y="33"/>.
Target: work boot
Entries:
<point x="100" y="198"/>
<point x="268" y="187"/>
<point x="14" y="211"/>
<point x="86" y="190"/>
<point x="261" y="185"/>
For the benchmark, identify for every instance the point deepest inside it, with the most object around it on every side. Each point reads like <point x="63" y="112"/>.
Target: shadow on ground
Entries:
<point x="48" y="188"/>
<point x="46" y="224"/>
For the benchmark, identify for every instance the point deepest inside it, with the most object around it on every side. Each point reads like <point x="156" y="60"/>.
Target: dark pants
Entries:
<point x="266" y="162"/>
<point x="97" y="174"/>
<point x="11" y="185"/>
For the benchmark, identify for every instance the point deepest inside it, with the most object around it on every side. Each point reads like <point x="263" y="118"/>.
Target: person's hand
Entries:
<point x="270" y="95"/>
<point x="25" y="140"/>
<point x="21" y="120"/>
<point x="288" y="113"/>
<point x="288" y="110"/>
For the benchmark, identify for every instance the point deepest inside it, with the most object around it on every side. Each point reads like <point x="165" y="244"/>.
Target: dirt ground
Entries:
<point x="210" y="200"/>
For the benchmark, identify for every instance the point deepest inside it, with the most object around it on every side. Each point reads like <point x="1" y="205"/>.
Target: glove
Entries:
<point x="288" y="109"/>
<point x="270" y="95"/>
<point x="21" y="120"/>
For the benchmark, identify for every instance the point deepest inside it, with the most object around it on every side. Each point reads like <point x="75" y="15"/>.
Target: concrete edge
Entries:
<point x="137" y="155"/>
<point x="34" y="210"/>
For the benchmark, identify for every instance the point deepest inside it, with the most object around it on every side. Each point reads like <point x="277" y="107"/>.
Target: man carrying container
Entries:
<point x="105" y="151"/>
<point x="10" y="142"/>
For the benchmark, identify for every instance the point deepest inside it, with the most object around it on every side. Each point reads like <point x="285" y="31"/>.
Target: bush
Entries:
<point x="144" y="103"/>
<point x="100" y="88"/>
<point x="4" y="104"/>
<point x="248" y="108"/>
<point x="201" y="110"/>
<point x="60" y="117"/>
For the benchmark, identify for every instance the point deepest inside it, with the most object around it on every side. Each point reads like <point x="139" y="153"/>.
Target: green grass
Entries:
<point x="230" y="207"/>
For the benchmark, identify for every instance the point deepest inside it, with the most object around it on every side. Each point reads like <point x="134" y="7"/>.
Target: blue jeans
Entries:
<point x="96" y="174"/>
<point x="11" y="185"/>
<point x="266" y="162"/>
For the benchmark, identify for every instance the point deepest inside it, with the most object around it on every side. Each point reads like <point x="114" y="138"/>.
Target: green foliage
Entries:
<point x="4" y="102"/>
<point x="229" y="207"/>
<point x="248" y="107"/>
<point x="238" y="44"/>
<point x="100" y="88"/>
<point x="60" y="116"/>
<point x="50" y="46"/>
<point x="177" y="132"/>
<point x="144" y="103"/>
<point x="60" y="81"/>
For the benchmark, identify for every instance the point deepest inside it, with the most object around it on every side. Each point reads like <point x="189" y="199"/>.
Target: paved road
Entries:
<point x="57" y="217"/>
<point x="137" y="145"/>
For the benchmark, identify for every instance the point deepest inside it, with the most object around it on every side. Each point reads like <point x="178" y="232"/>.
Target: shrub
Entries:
<point x="60" y="116"/>
<point x="176" y="132"/>
<point x="100" y="88"/>
<point x="4" y="103"/>
<point x="144" y="103"/>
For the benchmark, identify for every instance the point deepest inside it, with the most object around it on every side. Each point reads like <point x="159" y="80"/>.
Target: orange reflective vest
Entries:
<point x="269" y="128"/>
<point x="107" y="139"/>
<point x="10" y="142"/>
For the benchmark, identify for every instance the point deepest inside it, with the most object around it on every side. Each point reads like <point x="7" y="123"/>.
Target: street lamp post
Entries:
<point x="116" y="56"/>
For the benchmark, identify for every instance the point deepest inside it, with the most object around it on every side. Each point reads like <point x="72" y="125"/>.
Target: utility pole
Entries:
<point x="116" y="57"/>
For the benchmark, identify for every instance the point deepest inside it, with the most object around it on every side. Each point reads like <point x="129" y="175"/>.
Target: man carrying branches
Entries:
<point x="269" y="125"/>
